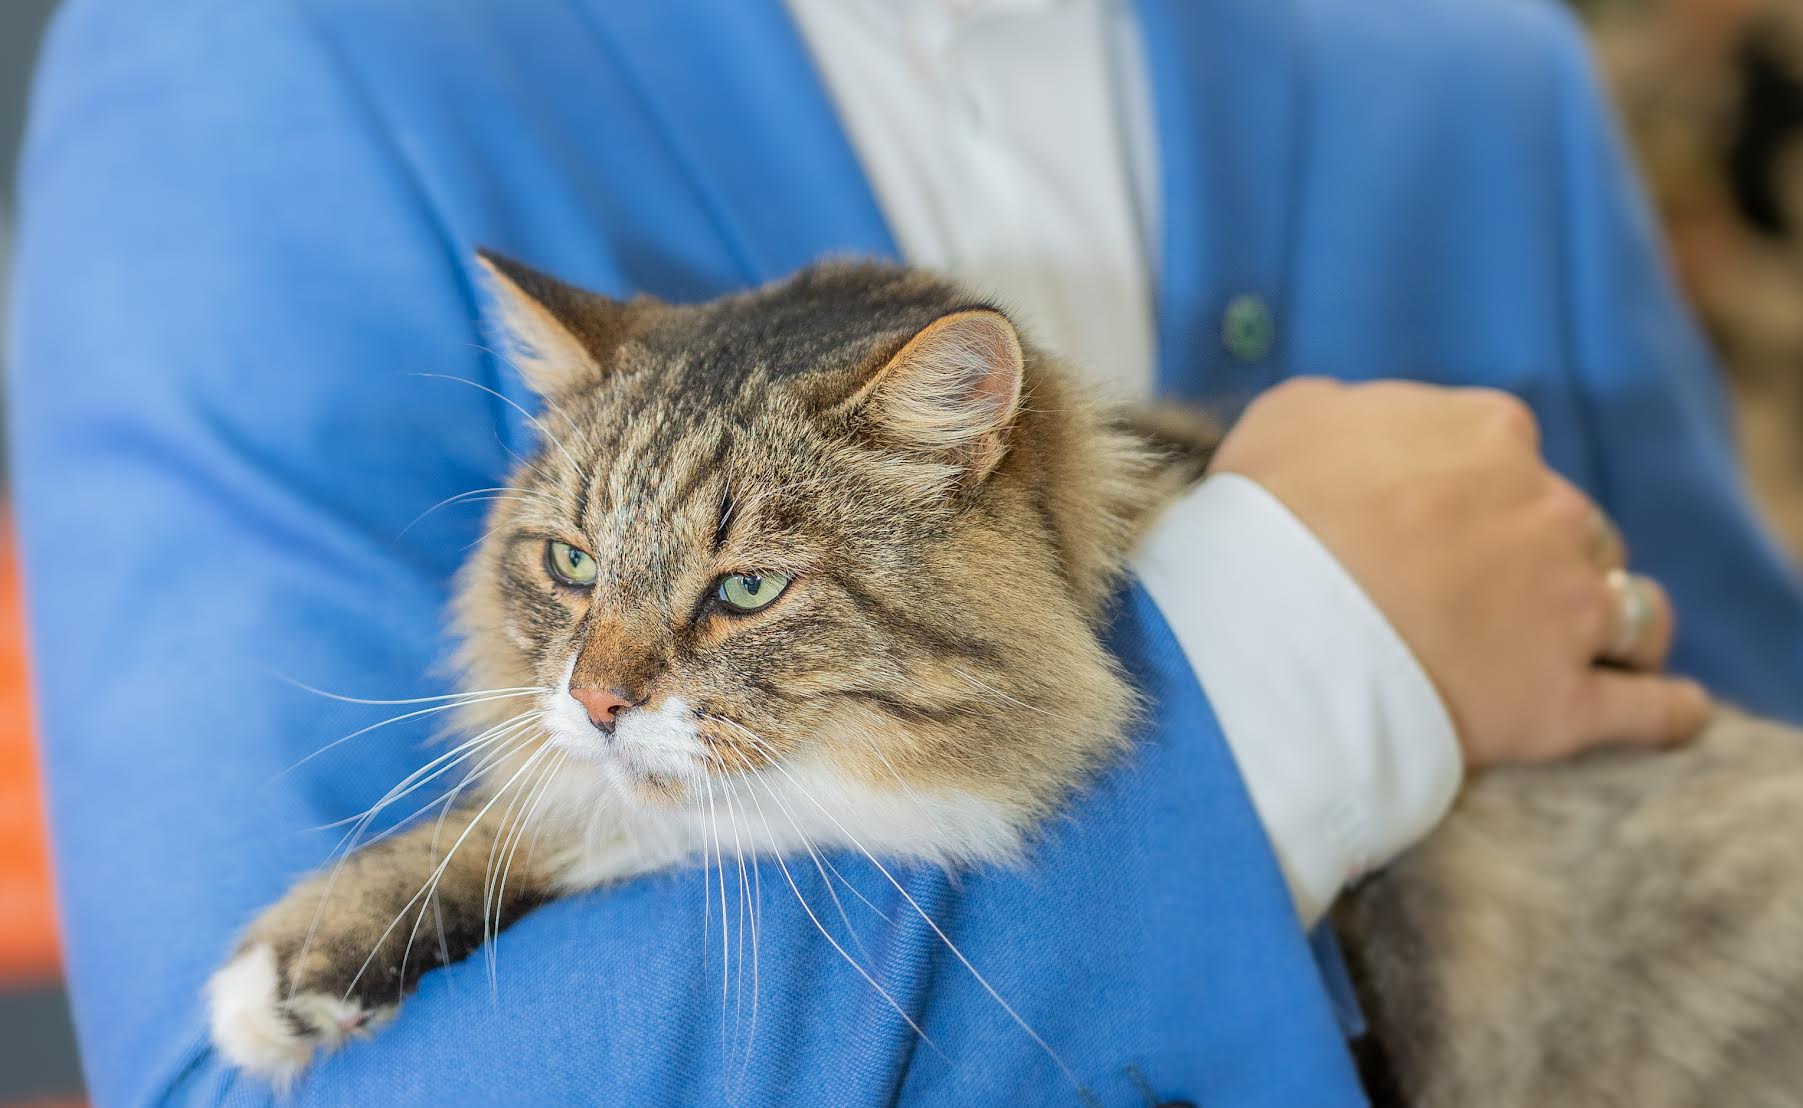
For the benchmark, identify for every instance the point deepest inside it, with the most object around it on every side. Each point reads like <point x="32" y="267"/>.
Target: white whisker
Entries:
<point x="403" y="717"/>
<point x="838" y="905"/>
<point x="930" y="922"/>
<point x="757" y="892"/>
<point x="853" y="890"/>
<point x="499" y="492"/>
<point x="480" y="539"/>
<point x="534" y="420"/>
<point x="738" y="850"/>
<point x="490" y="872"/>
<point x="303" y="686"/>
<point x="529" y="464"/>
<point x="437" y="767"/>
<point x="521" y="374"/>
<point x="498" y="735"/>
<point x="535" y="798"/>
<point x="725" y="940"/>
<point x="827" y="935"/>
<point x="431" y="885"/>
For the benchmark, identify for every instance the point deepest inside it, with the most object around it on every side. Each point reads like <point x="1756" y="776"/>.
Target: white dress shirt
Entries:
<point x="1010" y="146"/>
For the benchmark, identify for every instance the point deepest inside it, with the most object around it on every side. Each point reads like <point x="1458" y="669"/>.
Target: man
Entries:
<point x="246" y="235"/>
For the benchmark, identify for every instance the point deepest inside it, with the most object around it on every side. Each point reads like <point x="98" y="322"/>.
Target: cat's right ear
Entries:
<point x="556" y="334"/>
<point x="952" y="391"/>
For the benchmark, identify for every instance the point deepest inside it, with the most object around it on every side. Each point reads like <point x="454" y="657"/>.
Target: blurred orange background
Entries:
<point x="28" y="952"/>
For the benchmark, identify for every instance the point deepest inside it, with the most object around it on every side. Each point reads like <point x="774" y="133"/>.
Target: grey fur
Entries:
<point x="1622" y="931"/>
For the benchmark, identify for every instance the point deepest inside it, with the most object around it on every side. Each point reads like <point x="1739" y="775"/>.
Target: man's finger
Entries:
<point x="1639" y="709"/>
<point x="1607" y="549"/>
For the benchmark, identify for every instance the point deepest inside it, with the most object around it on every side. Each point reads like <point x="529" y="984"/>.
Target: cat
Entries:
<point x="719" y="550"/>
<point x="703" y="577"/>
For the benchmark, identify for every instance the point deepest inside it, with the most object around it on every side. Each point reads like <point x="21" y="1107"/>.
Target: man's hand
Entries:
<point x="1494" y="569"/>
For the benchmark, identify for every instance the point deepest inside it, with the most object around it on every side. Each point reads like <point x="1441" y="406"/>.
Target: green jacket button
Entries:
<point x="1246" y="328"/>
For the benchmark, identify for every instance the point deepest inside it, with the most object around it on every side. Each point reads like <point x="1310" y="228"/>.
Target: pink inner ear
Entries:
<point x="996" y="384"/>
<point x="953" y="388"/>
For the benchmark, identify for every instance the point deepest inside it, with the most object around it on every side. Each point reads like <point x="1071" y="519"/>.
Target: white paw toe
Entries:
<point x="262" y="1030"/>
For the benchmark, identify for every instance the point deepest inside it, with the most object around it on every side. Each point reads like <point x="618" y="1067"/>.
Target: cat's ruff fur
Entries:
<point x="1618" y="931"/>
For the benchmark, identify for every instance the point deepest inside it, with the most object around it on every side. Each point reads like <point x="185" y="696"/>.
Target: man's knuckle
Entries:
<point x="1307" y="385"/>
<point x="1286" y="396"/>
<point x="1569" y="508"/>
<point x="1504" y="412"/>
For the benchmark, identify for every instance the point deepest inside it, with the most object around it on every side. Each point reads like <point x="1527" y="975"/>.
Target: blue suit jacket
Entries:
<point x="246" y="234"/>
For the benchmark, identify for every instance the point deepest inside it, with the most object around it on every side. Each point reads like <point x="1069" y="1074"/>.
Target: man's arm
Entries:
<point x="227" y="293"/>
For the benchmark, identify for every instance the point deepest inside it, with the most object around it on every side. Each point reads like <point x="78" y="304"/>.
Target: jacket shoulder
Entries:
<point x="1447" y="47"/>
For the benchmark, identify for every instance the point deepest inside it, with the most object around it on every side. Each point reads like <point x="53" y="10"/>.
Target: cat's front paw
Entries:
<point x="265" y="1028"/>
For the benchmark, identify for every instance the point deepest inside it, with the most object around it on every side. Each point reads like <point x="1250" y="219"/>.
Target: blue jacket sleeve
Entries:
<point x="1657" y="434"/>
<point x="226" y="296"/>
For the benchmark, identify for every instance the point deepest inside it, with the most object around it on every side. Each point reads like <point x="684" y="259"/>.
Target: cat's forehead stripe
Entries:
<point x="817" y="321"/>
<point x="660" y="465"/>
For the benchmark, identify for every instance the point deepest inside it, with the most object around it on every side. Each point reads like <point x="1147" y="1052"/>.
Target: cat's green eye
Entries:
<point x="569" y="565"/>
<point x="750" y="592"/>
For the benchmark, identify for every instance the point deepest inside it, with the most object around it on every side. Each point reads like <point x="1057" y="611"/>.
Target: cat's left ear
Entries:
<point x="952" y="391"/>
<point x="558" y="335"/>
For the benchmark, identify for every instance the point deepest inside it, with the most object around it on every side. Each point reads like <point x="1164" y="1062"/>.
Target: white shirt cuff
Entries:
<point x="1344" y="744"/>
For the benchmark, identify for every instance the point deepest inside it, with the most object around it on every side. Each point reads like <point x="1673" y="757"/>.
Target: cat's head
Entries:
<point x="849" y="525"/>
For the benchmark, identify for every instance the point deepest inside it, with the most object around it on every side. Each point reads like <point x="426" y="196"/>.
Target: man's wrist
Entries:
<point x="1345" y="746"/>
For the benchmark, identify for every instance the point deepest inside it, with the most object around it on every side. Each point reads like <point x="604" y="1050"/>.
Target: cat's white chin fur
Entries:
<point x="254" y="1022"/>
<point x="812" y="803"/>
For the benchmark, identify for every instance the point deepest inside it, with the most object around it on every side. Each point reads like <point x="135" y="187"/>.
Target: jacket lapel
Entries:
<point x="1227" y="96"/>
<point x="749" y="122"/>
<point x="746" y="116"/>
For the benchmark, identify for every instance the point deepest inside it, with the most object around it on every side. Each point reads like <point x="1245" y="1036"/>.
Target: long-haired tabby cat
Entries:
<point x="712" y="574"/>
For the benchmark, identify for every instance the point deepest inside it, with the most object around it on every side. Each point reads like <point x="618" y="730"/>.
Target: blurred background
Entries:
<point x="37" y="1051"/>
<point x="1711" y="96"/>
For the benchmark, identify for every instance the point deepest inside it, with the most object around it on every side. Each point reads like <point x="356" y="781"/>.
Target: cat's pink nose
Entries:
<point x="602" y="705"/>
